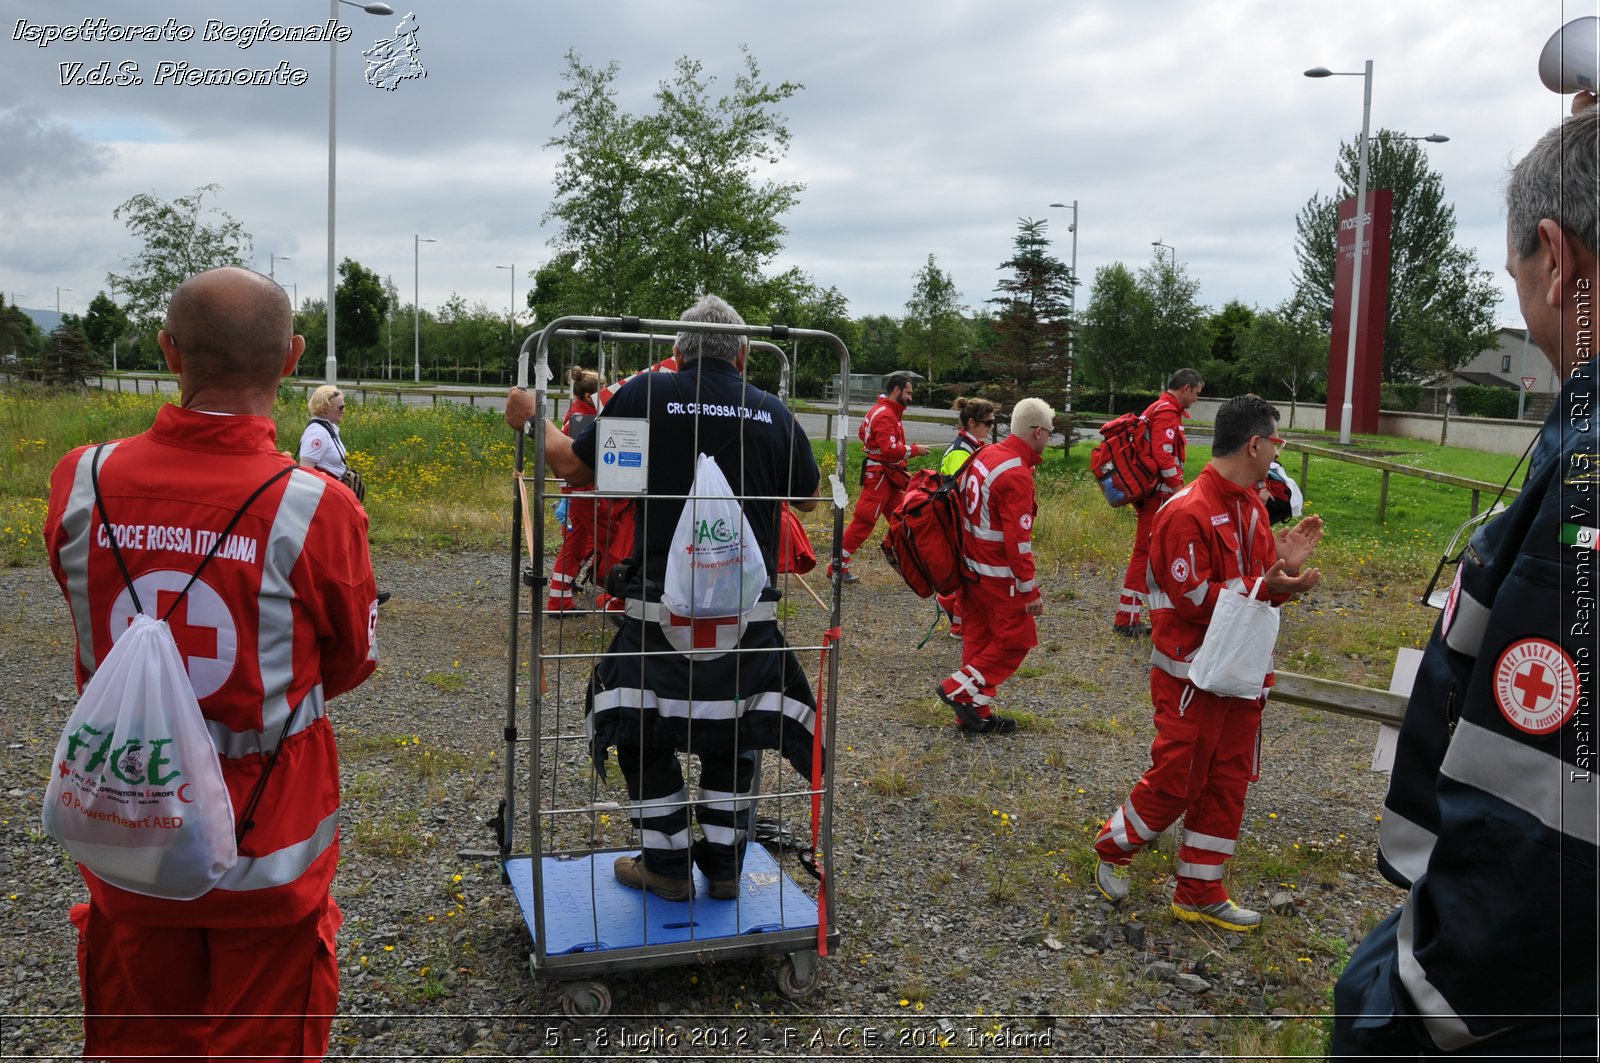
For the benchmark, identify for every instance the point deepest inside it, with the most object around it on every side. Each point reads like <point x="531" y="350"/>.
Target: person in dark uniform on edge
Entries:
<point x="721" y="706"/>
<point x="1491" y="823"/>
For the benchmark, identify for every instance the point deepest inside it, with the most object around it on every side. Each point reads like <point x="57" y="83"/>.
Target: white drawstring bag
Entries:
<point x="715" y="566"/>
<point x="136" y="793"/>
<point x="1236" y="655"/>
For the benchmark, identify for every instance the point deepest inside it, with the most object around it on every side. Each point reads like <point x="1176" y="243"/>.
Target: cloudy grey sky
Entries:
<point x="925" y="126"/>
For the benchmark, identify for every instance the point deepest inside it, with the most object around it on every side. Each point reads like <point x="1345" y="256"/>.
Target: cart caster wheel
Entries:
<point x="799" y="975"/>
<point x="581" y="1000"/>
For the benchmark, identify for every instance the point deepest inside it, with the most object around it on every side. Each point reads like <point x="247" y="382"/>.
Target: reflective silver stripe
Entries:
<point x="726" y="800"/>
<point x="1026" y="586"/>
<point x="988" y="535"/>
<point x="560" y="579"/>
<point x="275" y="633"/>
<point x="967" y="684"/>
<point x="1204" y="872"/>
<point x="1209" y="842"/>
<point x="1236" y="583"/>
<point x="988" y="476"/>
<point x="231" y="745"/>
<point x="283" y="866"/>
<point x="78" y="522"/>
<point x="1136" y="822"/>
<point x="655" y="612"/>
<point x="719" y="835"/>
<point x="1197" y="594"/>
<point x="1117" y="828"/>
<point x="1168" y="665"/>
<point x="655" y="806"/>
<point x="654" y="839"/>
<point x="1405" y="845"/>
<point x="1523" y="777"/>
<point x="1467" y="627"/>
<point x="997" y="571"/>
<point x="683" y="709"/>
<point x="1157" y="598"/>
<point x="1446" y="1028"/>
<point x="1025" y="548"/>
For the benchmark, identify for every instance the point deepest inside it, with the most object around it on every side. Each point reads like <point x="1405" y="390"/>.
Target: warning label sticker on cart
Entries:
<point x="621" y="446"/>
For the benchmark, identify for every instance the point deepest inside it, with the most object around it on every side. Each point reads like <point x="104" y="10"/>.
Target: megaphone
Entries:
<point x="1570" y="61"/>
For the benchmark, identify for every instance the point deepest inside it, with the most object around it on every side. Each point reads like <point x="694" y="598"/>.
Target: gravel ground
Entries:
<point x="969" y="924"/>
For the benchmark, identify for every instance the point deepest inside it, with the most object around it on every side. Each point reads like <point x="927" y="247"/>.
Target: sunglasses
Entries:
<point x="987" y="424"/>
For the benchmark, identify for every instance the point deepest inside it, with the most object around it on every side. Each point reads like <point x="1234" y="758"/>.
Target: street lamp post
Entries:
<point x="59" y="290"/>
<point x="1169" y="247"/>
<point x="1072" y="303"/>
<point x="1347" y="411"/>
<point x="512" y="315"/>
<point x="272" y="264"/>
<point x="416" y="305"/>
<point x="331" y="366"/>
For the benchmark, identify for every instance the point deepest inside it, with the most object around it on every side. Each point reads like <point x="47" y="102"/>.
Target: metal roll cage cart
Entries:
<point x="557" y="857"/>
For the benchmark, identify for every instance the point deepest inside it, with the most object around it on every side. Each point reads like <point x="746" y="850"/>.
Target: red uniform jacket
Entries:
<point x="1210" y="536"/>
<point x="884" y="440"/>
<point x="284" y="615"/>
<point x="998" y="507"/>
<point x="1165" y="418"/>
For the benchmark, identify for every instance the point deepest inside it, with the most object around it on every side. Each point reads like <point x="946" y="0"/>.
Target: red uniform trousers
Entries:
<point x="602" y="529"/>
<point x="879" y="495"/>
<point x="951" y="604"/>
<point x="996" y="635"/>
<point x="1205" y="756"/>
<point x="184" y="993"/>
<point x="1136" y="583"/>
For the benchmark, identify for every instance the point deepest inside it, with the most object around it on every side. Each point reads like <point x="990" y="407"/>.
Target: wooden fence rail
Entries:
<point x="1346" y="699"/>
<point x="1390" y="468"/>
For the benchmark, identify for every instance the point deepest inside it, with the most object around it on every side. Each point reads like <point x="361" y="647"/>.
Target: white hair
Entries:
<point x="693" y="346"/>
<point x="1031" y="413"/>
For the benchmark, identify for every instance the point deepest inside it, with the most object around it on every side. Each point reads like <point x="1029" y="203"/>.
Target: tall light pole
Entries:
<point x="416" y="305"/>
<point x="1169" y="247"/>
<point x="331" y="366"/>
<point x="512" y="316"/>
<point x="114" y="345"/>
<point x="1072" y="303"/>
<point x="59" y="290"/>
<point x="1347" y="411"/>
<point x="272" y="264"/>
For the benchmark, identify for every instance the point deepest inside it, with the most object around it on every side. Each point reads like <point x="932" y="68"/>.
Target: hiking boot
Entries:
<point x="1131" y="631"/>
<point x="991" y="725"/>
<point x="966" y="712"/>
<point x="1226" y="914"/>
<point x="723" y="889"/>
<point x="849" y="577"/>
<point x="1112" y="881"/>
<point x="383" y="596"/>
<point x="631" y="872"/>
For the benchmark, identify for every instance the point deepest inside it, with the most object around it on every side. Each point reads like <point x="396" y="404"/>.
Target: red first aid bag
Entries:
<point x="1124" y="464"/>
<point x="923" y="541"/>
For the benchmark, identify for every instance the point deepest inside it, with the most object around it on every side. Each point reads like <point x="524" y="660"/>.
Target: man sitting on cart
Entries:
<point x="668" y="684"/>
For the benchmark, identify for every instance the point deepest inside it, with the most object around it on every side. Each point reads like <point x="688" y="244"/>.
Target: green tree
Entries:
<point x="1422" y="237"/>
<point x="1115" y="332"/>
<point x="1287" y="347"/>
<point x="1461" y="325"/>
<point x="1220" y="367"/>
<point x="104" y="324"/>
<point x="934" y="332"/>
<point x="801" y="303"/>
<point x="1177" y="336"/>
<point x="67" y="360"/>
<point x="181" y="238"/>
<point x="652" y="211"/>
<point x="879" y="349"/>
<point x="360" y="303"/>
<point x="1030" y="322"/>
<point x="20" y="338"/>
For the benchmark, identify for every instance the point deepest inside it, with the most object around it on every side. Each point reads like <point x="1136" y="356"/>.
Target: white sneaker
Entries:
<point x="1226" y="914"/>
<point x="1112" y="881"/>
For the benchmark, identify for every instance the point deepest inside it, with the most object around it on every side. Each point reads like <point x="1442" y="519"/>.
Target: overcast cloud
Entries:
<point x="925" y="126"/>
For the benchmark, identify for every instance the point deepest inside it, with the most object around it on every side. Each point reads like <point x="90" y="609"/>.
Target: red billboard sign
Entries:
<point x="1373" y="311"/>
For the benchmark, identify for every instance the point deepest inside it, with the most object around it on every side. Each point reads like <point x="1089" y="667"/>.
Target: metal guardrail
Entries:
<point x="1389" y="468"/>
<point x="1345" y="699"/>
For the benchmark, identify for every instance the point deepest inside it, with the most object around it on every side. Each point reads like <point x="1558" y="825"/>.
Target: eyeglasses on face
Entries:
<point x="988" y="424"/>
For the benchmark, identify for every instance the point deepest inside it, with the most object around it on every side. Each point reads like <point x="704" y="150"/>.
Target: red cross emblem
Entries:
<point x="192" y="640"/>
<point x="703" y="630"/>
<point x="1535" y="686"/>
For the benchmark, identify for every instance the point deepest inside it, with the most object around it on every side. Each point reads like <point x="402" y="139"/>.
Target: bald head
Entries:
<point x="232" y="330"/>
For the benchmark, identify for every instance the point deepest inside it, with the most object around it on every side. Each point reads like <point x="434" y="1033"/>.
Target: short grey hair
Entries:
<point x="1031" y="413"/>
<point x="1558" y="179"/>
<point x="711" y="309"/>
